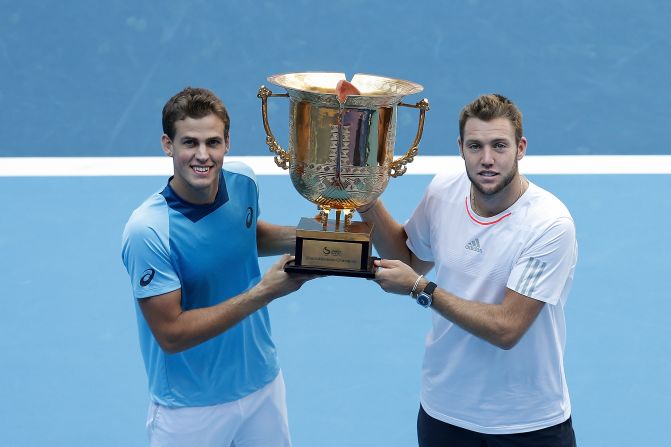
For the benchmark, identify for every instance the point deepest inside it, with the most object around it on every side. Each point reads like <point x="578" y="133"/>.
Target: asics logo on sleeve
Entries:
<point x="250" y="217"/>
<point x="147" y="276"/>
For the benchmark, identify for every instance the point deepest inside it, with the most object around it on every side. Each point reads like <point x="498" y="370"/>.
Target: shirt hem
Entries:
<point x="178" y="403"/>
<point x="500" y="430"/>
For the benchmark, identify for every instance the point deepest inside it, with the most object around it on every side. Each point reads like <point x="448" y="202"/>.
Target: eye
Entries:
<point x="500" y="146"/>
<point x="473" y="147"/>
<point x="189" y="142"/>
<point x="214" y="143"/>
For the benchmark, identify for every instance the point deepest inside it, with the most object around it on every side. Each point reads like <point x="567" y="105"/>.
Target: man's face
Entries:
<point x="490" y="153"/>
<point x="197" y="151"/>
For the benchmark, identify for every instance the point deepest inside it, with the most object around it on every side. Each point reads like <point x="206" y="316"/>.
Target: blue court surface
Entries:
<point x="82" y="85"/>
<point x="351" y="355"/>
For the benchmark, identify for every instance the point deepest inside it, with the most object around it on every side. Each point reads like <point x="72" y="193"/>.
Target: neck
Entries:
<point x="192" y="195"/>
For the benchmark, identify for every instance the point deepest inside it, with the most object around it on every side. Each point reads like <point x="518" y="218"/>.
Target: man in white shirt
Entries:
<point x="505" y="252"/>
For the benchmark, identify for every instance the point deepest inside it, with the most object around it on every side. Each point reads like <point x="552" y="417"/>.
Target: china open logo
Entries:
<point x="331" y="251"/>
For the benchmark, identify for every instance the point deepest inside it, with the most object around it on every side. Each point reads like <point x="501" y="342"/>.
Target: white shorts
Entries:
<point x="258" y="420"/>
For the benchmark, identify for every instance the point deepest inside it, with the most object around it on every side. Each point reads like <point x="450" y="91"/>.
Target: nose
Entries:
<point x="487" y="156"/>
<point x="201" y="153"/>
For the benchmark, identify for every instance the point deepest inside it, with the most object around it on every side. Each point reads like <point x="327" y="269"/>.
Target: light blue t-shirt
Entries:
<point x="209" y="251"/>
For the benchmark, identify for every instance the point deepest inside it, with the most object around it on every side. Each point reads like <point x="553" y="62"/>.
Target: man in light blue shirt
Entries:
<point x="191" y="251"/>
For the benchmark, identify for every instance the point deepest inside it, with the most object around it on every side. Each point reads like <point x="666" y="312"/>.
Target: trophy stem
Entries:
<point x="346" y="213"/>
<point x="348" y="218"/>
<point x="324" y="215"/>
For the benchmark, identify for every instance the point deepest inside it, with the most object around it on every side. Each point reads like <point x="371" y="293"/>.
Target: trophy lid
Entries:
<point x="321" y="86"/>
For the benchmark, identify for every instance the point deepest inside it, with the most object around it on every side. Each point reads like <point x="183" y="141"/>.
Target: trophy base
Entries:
<point x="291" y="267"/>
<point x="333" y="249"/>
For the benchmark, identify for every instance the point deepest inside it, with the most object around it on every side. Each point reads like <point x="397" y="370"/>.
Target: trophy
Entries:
<point x="340" y="157"/>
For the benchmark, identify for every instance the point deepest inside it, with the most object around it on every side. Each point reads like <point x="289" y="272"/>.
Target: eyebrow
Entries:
<point x="495" y="140"/>
<point x="188" y="137"/>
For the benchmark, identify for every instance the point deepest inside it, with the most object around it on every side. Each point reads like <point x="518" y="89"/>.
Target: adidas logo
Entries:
<point x="474" y="245"/>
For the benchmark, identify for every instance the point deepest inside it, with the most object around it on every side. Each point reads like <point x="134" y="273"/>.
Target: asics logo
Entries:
<point x="250" y="217"/>
<point x="147" y="276"/>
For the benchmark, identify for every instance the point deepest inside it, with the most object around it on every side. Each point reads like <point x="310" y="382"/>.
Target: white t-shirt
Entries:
<point x="530" y="248"/>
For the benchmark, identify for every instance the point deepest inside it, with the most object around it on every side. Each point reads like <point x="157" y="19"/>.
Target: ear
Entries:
<point x="166" y="144"/>
<point x="461" y="149"/>
<point x="227" y="142"/>
<point x="522" y="149"/>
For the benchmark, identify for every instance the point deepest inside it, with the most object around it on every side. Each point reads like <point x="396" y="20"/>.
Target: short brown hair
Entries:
<point x="193" y="103"/>
<point x="489" y="107"/>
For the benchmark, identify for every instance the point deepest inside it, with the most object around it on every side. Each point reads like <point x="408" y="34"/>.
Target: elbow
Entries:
<point x="507" y="338"/>
<point x="168" y="347"/>
<point x="506" y="343"/>
<point x="170" y="343"/>
<point x="171" y="348"/>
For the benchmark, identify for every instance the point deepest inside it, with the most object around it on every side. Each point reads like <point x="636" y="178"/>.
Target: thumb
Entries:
<point x="284" y="259"/>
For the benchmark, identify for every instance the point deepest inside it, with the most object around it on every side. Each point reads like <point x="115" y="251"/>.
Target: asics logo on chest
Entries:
<point x="250" y="217"/>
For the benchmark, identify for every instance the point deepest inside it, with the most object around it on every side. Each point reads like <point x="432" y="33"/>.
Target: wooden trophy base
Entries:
<point x="334" y="250"/>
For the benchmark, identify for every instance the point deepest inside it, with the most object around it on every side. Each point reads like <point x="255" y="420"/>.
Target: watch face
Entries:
<point x="423" y="300"/>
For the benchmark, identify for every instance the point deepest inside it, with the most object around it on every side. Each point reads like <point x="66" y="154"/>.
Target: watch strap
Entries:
<point x="429" y="289"/>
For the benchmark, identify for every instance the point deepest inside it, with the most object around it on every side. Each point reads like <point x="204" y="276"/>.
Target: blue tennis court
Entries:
<point x="85" y="80"/>
<point x="351" y="354"/>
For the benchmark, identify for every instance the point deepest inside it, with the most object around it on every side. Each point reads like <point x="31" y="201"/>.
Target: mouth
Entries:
<point x="201" y="169"/>
<point x="488" y="174"/>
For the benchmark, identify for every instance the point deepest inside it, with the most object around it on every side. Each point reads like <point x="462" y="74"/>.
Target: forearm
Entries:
<point x="501" y="324"/>
<point x="176" y="329"/>
<point x="192" y="327"/>
<point x="389" y="237"/>
<point x="486" y="321"/>
<point x="275" y="240"/>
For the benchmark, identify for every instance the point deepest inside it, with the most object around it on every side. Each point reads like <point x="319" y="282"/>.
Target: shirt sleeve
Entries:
<point x="418" y="229"/>
<point x="545" y="269"/>
<point x="146" y="256"/>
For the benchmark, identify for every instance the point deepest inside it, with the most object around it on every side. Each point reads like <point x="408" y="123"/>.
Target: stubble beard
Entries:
<point x="505" y="182"/>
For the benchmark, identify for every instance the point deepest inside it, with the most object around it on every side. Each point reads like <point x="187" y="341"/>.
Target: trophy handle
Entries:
<point x="281" y="156"/>
<point x="398" y="167"/>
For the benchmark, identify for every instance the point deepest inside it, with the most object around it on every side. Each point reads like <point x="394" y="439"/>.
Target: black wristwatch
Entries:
<point x="425" y="298"/>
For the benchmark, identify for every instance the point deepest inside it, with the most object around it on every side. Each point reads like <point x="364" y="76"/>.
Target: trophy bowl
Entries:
<point x="341" y="151"/>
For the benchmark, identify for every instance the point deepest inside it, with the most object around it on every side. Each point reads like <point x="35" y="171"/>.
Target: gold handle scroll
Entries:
<point x="281" y="156"/>
<point x="398" y="167"/>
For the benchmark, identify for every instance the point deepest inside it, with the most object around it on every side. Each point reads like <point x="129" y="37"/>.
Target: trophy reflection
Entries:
<point x="340" y="157"/>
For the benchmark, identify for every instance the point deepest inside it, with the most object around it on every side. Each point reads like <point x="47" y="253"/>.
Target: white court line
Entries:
<point x="264" y="165"/>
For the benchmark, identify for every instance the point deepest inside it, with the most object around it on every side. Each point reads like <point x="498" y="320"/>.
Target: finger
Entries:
<point x="279" y="265"/>
<point x="387" y="263"/>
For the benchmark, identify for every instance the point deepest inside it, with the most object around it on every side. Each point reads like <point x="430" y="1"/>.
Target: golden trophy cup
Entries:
<point x="340" y="157"/>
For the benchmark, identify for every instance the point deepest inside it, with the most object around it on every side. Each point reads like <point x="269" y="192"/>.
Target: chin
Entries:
<point x="487" y="188"/>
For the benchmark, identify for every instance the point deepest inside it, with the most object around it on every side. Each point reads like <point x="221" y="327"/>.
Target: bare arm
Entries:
<point x="274" y="240"/>
<point x="389" y="237"/>
<point x="502" y="325"/>
<point x="177" y="330"/>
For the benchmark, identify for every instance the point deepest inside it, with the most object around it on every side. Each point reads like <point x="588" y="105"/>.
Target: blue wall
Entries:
<point x="90" y="77"/>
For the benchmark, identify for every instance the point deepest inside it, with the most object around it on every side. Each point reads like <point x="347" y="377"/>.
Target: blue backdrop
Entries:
<point x="90" y="77"/>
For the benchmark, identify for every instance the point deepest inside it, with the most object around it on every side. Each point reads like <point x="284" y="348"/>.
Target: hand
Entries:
<point x="395" y="276"/>
<point x="276" y="282"/>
